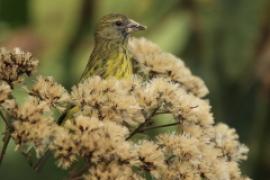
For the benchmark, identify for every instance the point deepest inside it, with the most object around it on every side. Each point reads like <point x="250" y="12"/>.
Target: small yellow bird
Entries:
<point x="110" y="56"/>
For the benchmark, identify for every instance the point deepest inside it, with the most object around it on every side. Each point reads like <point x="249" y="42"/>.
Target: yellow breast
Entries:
<point x="109" y="59"/>
<point x="118" y="66"/>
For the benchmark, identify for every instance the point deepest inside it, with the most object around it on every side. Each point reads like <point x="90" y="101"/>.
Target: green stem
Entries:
<point x="77" y="175"/>
<point x="8" y="125"/>
<point x="135" y="131"/>
<point x="6" y="138"/>
<point x="40" y="163"/>
<point x="160" y="126"/>
<point x="143" y="124"/>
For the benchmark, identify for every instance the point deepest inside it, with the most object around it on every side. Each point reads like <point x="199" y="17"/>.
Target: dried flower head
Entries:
<point x="14" y="64"/>
<point x="46" y="89"/>
<point x="31" y="125"/>
<point x="153" y="62"/>
<point x="108" y="100"/>
<point x="5" y="91"/>
<point x="112" y="170"/>
<point x="152" y="158"/>
<point x="227" y="140"/>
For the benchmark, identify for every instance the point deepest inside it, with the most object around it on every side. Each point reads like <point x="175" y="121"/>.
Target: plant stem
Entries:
<point x="143" y="124"/>
<point x="6" y="141"/>
<point x="6" y="138"/>
<point x="160" y="126"/>
<point x="37" y="167"/>
<point x="135" y="131"/>
<point x="8" y="125"/>
<point x="27" y="156"/>
<point x="77" y="175"/>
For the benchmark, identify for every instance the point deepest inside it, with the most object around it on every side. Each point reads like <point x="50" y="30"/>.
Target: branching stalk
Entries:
<point x="159" y="126"/>
<point x="143" y="124"/>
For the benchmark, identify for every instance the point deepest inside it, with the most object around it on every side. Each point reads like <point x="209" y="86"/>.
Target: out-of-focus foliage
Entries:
<point x="226" y="42"/>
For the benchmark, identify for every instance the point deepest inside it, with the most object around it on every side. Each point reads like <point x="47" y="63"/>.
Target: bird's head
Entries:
<point x="117" y="27"/>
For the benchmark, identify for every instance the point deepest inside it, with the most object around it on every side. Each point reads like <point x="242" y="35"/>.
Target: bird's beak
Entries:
<point x="133" y="26"/>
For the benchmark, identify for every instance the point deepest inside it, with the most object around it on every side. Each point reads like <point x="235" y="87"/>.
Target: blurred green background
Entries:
<point x="226" y="42"/>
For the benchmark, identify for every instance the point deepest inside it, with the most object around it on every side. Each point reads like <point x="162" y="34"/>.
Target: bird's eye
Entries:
<point x="118" y="23"/>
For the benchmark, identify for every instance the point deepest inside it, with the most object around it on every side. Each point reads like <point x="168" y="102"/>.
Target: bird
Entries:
<point x="110" y="57"/>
